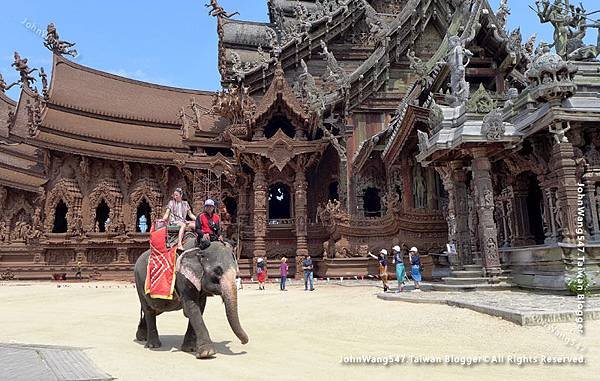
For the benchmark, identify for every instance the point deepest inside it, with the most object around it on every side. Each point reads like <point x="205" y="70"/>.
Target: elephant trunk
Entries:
<point x="229" y="295"/>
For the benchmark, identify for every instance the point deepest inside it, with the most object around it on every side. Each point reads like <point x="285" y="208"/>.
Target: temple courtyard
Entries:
<point x="293" y="335"/>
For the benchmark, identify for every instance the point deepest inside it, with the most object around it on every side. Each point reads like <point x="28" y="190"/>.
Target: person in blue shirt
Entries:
<point x="415" y="267"/>
<point x="398" y="260"/>
<point x="307" y="266"/>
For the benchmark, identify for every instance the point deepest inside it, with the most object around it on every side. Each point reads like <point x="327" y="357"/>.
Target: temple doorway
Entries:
<point x="102" y="215"/>
<point x="60" y="218"/>
<point x="280" y="203"/>
<point x="334" y="193"/>
<point x="231" y="206"/>
<point x="372" y="202"/>
<point x="534" y="210"/>
<point x="143" y="210"/>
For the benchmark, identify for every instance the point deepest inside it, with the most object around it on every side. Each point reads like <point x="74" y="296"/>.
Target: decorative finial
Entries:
<point x="56" y="45"/>
<point x="21" y="66"/>
<point x="218" y="11"/>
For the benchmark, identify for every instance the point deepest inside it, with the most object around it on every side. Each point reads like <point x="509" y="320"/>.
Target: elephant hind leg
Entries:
<point x="152" y="332"/>
<point x="141" y="333"/>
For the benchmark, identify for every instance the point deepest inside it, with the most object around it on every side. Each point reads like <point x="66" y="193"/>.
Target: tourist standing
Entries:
<point x="307" y="266"/>
<point x="261" y="273"/>
<point x="283" y="271"/>
<point x="415" y="267"/>
<point x="78" y="273"/>
<point x="383" y="263"/>
<point x="400" y="270"/>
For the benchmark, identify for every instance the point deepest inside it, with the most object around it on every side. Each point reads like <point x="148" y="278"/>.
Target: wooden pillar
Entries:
<point x="590" y="189"/>
<point x="300" y="186"/>
<point x="484" y="201"/>
<point x="260" y="213"/>
<point x="463" y="241"/>
<point x="562" y="165"/>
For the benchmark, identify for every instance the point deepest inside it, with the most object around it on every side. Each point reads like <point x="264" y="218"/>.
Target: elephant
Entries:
<point x="200" y="274"/>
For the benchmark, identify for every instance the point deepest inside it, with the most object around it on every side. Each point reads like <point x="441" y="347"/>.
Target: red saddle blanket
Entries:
<point x="160" y="275"/>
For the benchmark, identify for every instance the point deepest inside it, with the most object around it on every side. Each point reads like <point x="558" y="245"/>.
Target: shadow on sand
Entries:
<point x="172" y="343"/>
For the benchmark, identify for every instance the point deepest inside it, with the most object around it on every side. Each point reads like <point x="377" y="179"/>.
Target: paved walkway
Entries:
<point x="47" y="363"/>
<point x="523" y="308"/>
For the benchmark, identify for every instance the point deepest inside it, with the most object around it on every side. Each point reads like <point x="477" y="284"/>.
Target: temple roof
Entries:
<point x="96" y="92"/>
<point x="104" y="115"/>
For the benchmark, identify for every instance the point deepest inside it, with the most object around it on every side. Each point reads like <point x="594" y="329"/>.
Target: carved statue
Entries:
<point x="456" y="62"/>
<point x="391" y="201"/>
<point x="21" y="66"/>
<point x="326" y="249"/>
<point x="502" y="14"/>
<point x="492" y="127"/>
<point x="77" y="227"/>
<point x="126" y="173"/>
<point x="234" y="104"/>
<point x="419" y="188"/>
<point x="334" y="72"/>
<point x="319" y="214"/>
<point x="423" y="141"/>
<point x="3" y="196"/>
<point x="218" y="11"/>
<point x="420" y="68"/>
<point x="4" y="87"/>
<point x="341" y="150"/>
<point x="559" y="132"/>
<point x="55" y="44"/>
<point x="342" y="248"/>
<point x="4" y="233"/>
<point x="44" y="79"/>
<point x="570" y="27"/>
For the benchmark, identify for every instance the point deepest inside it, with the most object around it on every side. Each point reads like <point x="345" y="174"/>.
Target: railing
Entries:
<point x="281" y="221"/>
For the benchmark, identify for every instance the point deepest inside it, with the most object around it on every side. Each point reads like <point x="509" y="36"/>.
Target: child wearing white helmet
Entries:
<point x="415" y="267"/>
<point x="400" y="270"/>
<point x="383" y="263"/>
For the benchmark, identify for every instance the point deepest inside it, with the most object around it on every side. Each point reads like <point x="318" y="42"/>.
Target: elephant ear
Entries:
<point x="190" y="266"/>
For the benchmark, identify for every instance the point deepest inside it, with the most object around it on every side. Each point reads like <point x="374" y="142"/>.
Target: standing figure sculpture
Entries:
<point x="455" y="60"/>
<point x="56" y="45"/>
<point x="21" y="66"/>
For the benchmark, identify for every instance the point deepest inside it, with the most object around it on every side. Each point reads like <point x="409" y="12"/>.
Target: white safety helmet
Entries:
<point x="414" y="249"/>
<point x="383" y="251"/>
<point x="209" y="202"/>
<point x="396" y="248"/>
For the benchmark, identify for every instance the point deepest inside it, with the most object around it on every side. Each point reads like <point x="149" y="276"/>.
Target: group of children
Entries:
<point x="398" y="260"/>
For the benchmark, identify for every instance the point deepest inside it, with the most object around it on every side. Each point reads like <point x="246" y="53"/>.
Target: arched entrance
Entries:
<point x="60" y="218"/>
<point x="102" y="216"/>
<point x="143" y="210"/>
<point x="372" y="202"/>
<point x="280" y="203"/>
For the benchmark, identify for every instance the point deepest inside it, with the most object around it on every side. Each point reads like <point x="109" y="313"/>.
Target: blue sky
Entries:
<point x="170" y="43"/>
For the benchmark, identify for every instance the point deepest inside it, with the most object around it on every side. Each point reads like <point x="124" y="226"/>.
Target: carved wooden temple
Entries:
<point x="343" y="127"/>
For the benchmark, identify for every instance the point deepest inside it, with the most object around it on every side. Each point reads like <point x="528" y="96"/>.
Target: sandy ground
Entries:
<point x="294" y="335"/>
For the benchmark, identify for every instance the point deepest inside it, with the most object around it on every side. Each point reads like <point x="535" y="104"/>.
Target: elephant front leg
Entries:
<point x="189" y="340"/>
<point x="151" y="330"/>
<point x="193" y="310"/>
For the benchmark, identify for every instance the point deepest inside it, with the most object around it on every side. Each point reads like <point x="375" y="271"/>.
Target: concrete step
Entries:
<point x="472" y="287"/>
<point x="473" y="267"/>
<point x="476" y="280"/>
<point x="466" y="274"/>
